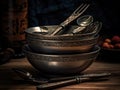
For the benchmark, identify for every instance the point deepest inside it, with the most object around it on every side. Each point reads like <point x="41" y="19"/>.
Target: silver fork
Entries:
<point x="81" y="9"/>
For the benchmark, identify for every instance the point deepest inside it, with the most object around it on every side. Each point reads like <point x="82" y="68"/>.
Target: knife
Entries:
<point x="51" y="86"/>
<point x="29" y="77"/>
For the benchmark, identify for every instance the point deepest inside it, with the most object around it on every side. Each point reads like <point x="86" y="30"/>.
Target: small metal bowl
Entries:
<point x="61" y="64"/>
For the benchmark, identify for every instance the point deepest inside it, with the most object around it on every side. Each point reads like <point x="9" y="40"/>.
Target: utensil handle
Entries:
<point x="91" y="75"/>
<point x="61" y="83"/>
<point x="57" y="30"/>
<point x="81" y="9"/>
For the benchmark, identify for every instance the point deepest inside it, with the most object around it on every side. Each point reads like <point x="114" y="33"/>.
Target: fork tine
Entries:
<point x="72" y="17"/>
<point x="81" y="9"/>
<point x="78" y="8"/>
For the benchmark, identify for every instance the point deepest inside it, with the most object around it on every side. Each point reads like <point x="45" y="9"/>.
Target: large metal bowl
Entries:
<point x="61" y="64"/>
<point x="39" y="31"/>
<point x="62" y="47"/>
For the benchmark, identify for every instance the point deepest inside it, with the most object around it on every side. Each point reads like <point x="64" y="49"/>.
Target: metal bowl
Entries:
<point x="39" y="32"/>
<point x="61" y="64"/>
<point x="61" y="47"/>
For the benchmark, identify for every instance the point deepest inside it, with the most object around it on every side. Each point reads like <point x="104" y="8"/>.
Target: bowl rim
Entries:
<point x="54" y="36"/>
<point x="66" y="41"/>
<point x="96" y="47"/>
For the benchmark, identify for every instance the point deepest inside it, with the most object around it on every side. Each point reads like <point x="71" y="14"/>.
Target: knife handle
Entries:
<point x="60" y="83"/>
<point x="92" y="75"/>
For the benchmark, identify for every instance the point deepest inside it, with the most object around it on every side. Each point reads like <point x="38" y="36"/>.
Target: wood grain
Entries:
<point x="10" y="81"/>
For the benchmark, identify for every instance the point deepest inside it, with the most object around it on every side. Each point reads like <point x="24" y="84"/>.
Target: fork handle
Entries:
<point x="58" y="30"/>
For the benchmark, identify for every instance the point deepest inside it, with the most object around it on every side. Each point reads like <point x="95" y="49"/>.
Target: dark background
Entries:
<point x="102" y="10"/>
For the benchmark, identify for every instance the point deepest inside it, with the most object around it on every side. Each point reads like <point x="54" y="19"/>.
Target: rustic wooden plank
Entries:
<point x="10" y="81"/>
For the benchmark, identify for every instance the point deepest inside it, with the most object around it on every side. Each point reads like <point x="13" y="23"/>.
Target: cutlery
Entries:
<point x="83" y="22"/>
<point x="81" y="9"/>
<point x="77" y="80"/>
<point x="93" y="27"/>
<point x="29" y="77"/>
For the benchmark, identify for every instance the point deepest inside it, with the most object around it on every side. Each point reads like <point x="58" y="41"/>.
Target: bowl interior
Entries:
<point x="42" y="32"/>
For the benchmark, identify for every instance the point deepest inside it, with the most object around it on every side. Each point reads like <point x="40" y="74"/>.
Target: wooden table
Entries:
<point x="10" y="81"/>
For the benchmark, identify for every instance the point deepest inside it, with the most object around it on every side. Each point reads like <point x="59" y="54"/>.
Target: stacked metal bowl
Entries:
<point x="60" y="54"/>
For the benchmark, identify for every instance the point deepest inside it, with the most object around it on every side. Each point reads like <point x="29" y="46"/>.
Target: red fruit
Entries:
<point x="111" y="46"/>
<point x="107" y="40"/>
<point x="106" y="45"/>
<point x="115" y="39"/>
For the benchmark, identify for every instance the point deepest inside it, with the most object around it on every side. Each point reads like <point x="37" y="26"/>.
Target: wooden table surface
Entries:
<point x="10" y="81"/>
